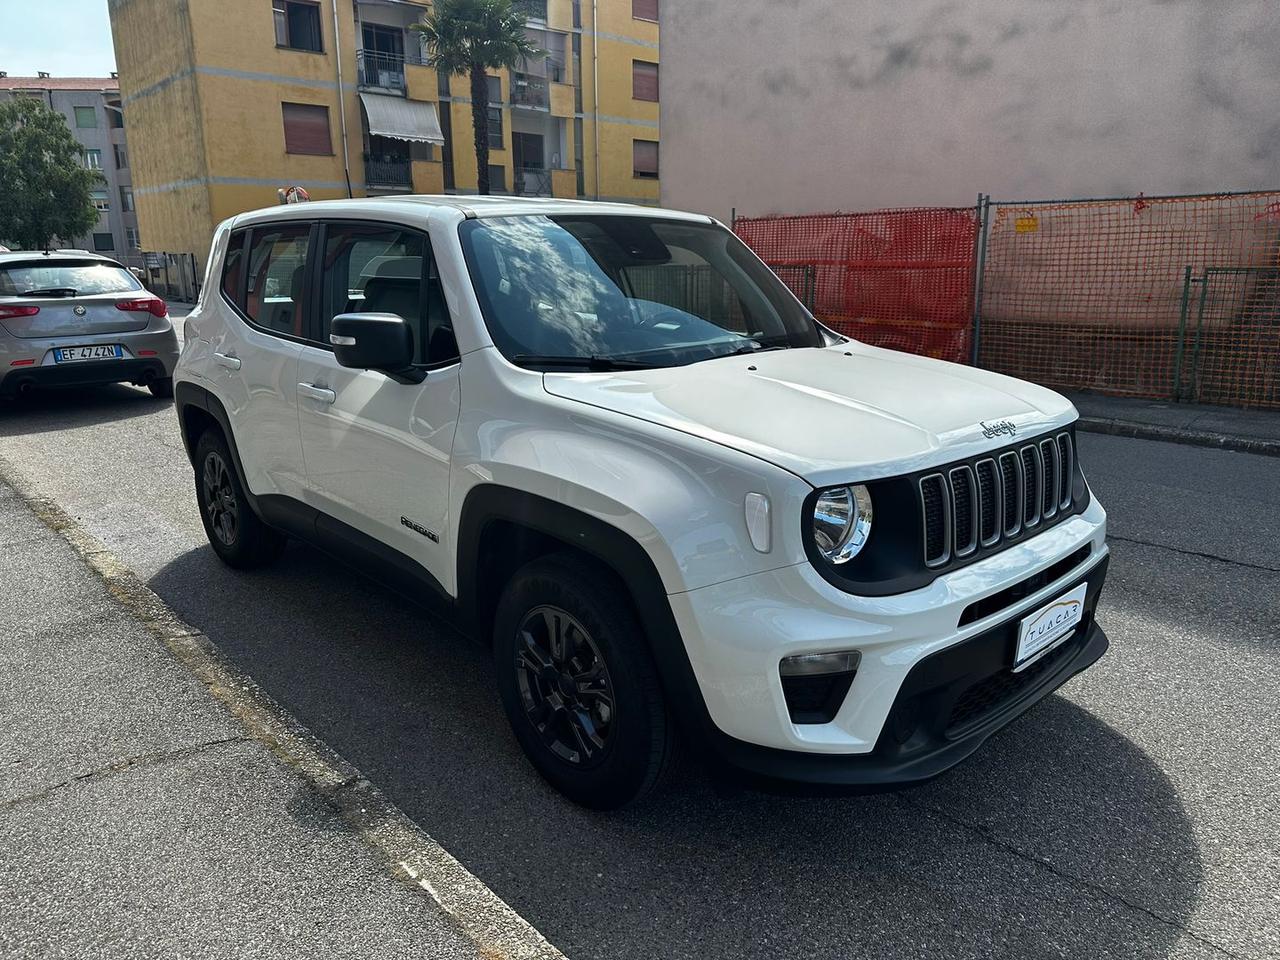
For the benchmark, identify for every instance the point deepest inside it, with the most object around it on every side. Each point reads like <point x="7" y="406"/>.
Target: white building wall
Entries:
<point x="794" y="106"/>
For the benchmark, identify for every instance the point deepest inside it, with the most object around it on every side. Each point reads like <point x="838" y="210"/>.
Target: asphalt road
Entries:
<point x="1136" y="813"/>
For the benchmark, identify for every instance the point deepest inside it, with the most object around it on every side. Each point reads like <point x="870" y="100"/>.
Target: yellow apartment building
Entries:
<point x="227" y="102"/>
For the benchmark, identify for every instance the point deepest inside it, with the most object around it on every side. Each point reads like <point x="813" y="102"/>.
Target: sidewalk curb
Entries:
<point x="411" y="855"/>
<point x="1151" y="431"/>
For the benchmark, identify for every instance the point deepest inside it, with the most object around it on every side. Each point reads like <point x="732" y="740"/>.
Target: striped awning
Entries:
<point x="402" y="119"/>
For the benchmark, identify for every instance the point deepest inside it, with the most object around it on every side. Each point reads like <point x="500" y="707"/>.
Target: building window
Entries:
<point x="306" y="129"/>
<point x="101" y="202"/>
<point x="442" y="83"/>
<point x="644" y="158"/>
<point x="115" y="115"/>
<point x="497" y="178"/>
<point x="644" y="10"/>
<point x="122" y="155"/>
<point x="644" y="80"/>
<point x="131" y="237"/>
<point x="297" y="25"/>
<point x="126" y="199"/>
<point x="86" y="117"/>
<point x="103" y="242"/>
<point x="495" y="129"/>
<point x="495" y="90"/>
<point x="93" y="159"/>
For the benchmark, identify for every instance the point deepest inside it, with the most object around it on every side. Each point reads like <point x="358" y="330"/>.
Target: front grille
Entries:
<point x="966" y="507"/>
<point x="995" y="691"/>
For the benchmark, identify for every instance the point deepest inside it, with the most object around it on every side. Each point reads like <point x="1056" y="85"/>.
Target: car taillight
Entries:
<point x="7" y="312"/>
<point x="153" y="305"/>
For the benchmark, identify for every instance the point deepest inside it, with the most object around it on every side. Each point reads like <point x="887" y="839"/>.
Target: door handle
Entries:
<point x="226" y="360"/>
<point x="323" y="394"/>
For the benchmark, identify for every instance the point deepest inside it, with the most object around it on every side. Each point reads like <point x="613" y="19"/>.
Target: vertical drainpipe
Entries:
<point x="595" y="86"/>
<point x="342" y="99"/>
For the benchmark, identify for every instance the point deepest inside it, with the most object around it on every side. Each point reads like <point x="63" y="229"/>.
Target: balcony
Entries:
<point x="528" y="90"/>
<point x="387" y="174"/>
<point x="531" y="182"/>
<point x="383" y="71"/>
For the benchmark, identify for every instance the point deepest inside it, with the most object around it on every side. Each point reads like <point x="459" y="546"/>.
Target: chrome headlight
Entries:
<point x="842" y="522"/>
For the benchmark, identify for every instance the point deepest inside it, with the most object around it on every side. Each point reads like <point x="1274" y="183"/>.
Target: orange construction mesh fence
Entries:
<point x="894" y="278"/>
<point x="1167" y="297"/>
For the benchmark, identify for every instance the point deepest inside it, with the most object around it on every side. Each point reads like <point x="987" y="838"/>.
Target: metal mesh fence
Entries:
<point x="894" y="278"/>
<point x="1093" y="294"/>
<point x="1158" y="297"/>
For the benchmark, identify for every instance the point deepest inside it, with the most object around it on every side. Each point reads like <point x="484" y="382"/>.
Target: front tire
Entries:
<point x="579" y="685"/>
<point x="237" y="535"/>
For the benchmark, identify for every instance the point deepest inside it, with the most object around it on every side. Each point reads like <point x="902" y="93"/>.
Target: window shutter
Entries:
<point x="644" y="80"/>
<point x="644" y="9"/>
<point x="644" y="158"/>
<point x="306" y="129"/>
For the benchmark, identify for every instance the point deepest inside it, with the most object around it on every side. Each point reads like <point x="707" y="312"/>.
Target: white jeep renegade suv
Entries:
<point x="676" y="506"/>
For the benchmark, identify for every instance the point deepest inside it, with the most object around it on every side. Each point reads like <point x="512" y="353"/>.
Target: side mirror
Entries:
<point x="375" y="341"/>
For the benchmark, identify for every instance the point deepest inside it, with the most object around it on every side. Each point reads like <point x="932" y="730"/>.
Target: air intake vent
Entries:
<point x="1031" y="486"/>
<point x="1051" y="481"/>
<point x="1066" y="457"/>
<point x="937" y="520"/>
<point x="989" y="502"/>
<point x="964" y="511"/>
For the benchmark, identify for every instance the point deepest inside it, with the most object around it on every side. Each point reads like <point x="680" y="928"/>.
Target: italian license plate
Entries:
<point x="1049" y="626"/>
<point x="98" y="351"/>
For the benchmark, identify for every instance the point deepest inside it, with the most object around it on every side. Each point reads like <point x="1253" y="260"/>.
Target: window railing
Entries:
<point x="387" y="173"/>
<point x="532" y="182"/>
<point x="528" y="90"/>
<point x="531" y="9"/>
<point x="384" y="70"/>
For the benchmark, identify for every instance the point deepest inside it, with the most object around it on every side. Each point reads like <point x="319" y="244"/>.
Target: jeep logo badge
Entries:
<point x="990" y="430"/>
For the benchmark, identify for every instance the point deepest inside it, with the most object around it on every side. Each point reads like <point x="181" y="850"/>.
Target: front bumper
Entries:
<point x="922" y="660"/>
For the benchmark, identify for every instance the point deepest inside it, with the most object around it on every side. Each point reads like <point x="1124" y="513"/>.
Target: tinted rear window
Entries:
<point x="59" y="278"/>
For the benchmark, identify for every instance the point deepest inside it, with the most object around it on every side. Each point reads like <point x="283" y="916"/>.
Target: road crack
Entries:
<point x="990" y="837"/>
<point x="1195" y="553"/>
<point x="123" y="765"/>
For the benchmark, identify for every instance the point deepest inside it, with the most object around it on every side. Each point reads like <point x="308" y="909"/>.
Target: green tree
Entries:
<point x="470" y="38"/>
<point x="44" y="188"/>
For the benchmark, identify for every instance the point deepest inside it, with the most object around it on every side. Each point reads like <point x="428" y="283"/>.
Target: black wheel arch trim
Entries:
<point x="611" y="546"/>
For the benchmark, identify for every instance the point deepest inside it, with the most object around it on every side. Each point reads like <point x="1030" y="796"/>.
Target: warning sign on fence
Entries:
<point x="1027" y="224"/>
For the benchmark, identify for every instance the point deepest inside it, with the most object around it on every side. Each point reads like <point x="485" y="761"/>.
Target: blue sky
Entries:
<point x="68" y="38"/>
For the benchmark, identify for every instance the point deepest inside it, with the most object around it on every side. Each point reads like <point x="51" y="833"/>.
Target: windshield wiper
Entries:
<point x="52" y="292"/>
<point x="593" y="362"/>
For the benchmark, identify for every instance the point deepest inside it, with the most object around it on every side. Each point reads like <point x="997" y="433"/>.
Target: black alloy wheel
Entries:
<point x="564" y="686"/>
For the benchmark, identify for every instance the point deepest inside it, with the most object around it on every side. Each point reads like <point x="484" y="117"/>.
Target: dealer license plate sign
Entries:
<point x="1049" y="626"/>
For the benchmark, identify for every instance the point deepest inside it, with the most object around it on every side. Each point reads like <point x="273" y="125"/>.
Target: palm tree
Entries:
<point x="472" y="37"/>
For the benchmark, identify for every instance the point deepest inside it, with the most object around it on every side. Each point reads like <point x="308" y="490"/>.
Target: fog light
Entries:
<point x="815" y="684"/>
<point x="812" y="664"/>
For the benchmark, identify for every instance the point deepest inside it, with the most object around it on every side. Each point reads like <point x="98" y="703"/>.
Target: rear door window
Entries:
<point x="233" y="269"/>
<point x="276" y="294"/>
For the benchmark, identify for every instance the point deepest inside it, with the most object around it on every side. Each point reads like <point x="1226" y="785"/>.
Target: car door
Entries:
<point x="377" y="451"/>
<point x="254" y="354"/>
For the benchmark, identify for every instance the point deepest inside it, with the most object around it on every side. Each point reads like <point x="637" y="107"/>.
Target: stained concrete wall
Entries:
<point x="792" y="106"/>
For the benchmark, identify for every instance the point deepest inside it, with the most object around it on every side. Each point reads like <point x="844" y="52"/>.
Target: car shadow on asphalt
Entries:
<point x="54" y="409"/>
<point x="1060" y="837"/>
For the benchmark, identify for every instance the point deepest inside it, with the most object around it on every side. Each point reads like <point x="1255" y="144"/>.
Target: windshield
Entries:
<point x="611" y="291"/>
<point x="64" y="278"/>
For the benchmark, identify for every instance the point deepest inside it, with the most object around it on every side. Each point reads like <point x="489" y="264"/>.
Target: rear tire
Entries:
<point x="162" y="388"/>
<point x="237" y="535"/>
<point x="579" y="685"/>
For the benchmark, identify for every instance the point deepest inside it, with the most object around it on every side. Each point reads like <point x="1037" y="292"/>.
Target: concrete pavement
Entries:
<point x="1199" y="424"/>
<point x="138" y="816"/>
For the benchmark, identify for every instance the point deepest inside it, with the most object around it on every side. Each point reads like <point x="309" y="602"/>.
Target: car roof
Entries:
<point x="53" y="256"/>
<point x="470" y="207"/>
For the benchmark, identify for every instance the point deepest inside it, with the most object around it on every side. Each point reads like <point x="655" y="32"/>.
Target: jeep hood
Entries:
<point x="831" y="415"/>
